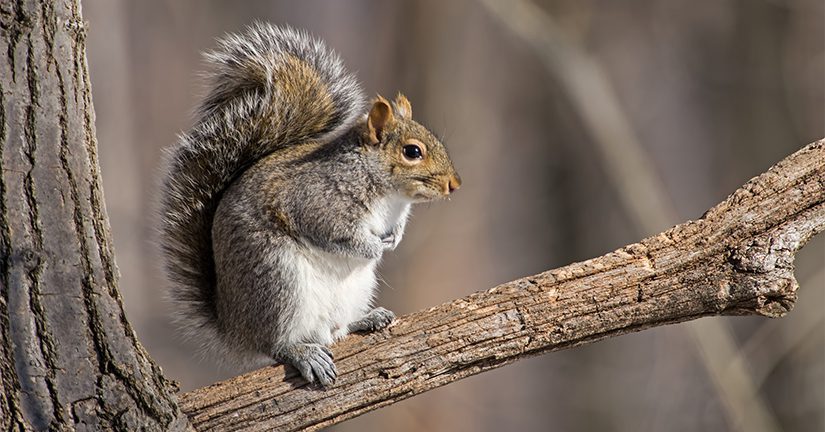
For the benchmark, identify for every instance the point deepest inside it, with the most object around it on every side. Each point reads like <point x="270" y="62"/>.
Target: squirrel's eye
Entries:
<point x="412" y="151"/>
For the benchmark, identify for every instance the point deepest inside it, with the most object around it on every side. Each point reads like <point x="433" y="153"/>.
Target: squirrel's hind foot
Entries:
<point x="313" y="361"/>
<point x="378" y="318"/>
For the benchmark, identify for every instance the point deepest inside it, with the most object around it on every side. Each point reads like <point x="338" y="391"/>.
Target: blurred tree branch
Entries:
<point x="736" y="260"/>
<point x="633" y="177"/>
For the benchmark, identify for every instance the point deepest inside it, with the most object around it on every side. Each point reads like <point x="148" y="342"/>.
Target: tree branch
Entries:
<point x="736" y="260"/>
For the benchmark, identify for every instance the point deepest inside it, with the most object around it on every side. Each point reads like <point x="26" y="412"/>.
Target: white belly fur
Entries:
<point x="335" y="290"/>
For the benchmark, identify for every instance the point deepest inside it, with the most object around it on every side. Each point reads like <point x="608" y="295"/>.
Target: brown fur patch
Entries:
<point x="296" y="77"/>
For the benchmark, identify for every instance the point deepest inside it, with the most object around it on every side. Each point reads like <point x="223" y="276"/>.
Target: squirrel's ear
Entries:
<point x="380" y="116"/>
<point x="403" y="107"/>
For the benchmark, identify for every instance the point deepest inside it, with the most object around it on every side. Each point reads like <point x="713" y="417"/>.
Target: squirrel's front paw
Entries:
<point x="391" y="239"/>
<point x="313" y="361"/>
<point x="388" y="240"/>
<point x="377" y="319"/>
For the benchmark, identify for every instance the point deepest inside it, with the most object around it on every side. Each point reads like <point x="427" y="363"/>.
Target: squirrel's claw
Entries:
<point x="377" y="319"/>
<point x="313" y="361"/>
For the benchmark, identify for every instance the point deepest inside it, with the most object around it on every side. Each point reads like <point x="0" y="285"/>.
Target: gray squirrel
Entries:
<point x="279" y="202"/>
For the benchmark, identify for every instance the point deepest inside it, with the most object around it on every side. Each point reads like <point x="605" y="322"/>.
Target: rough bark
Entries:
<point x="68" y="359"/>
<point x="736" y="260"/>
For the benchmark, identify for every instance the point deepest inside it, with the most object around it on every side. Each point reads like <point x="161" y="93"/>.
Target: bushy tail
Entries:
<point x="271" y="87"/>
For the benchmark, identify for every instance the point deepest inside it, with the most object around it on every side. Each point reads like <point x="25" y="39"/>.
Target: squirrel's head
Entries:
<point x="418" y="162"/>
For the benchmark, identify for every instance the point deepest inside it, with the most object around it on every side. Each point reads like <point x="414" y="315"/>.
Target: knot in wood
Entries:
<point x="778" y="298"/>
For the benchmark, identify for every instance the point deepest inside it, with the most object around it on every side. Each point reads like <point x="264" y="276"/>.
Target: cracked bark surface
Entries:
<point x="736" y="260"/>
<point x="68" y="358"/>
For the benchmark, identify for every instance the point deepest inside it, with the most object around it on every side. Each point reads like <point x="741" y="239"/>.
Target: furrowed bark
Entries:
<point x="68" y="358"/>
<point x="736" y="260"/>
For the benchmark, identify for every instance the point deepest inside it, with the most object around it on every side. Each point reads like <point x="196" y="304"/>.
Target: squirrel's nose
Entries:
<point x="453" y="183"/>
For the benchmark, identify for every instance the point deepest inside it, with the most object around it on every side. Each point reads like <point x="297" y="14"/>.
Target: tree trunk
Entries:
<point x="68" y="359"/>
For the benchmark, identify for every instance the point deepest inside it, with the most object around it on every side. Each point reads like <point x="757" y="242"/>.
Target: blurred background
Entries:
<point x="578" y="126"/>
